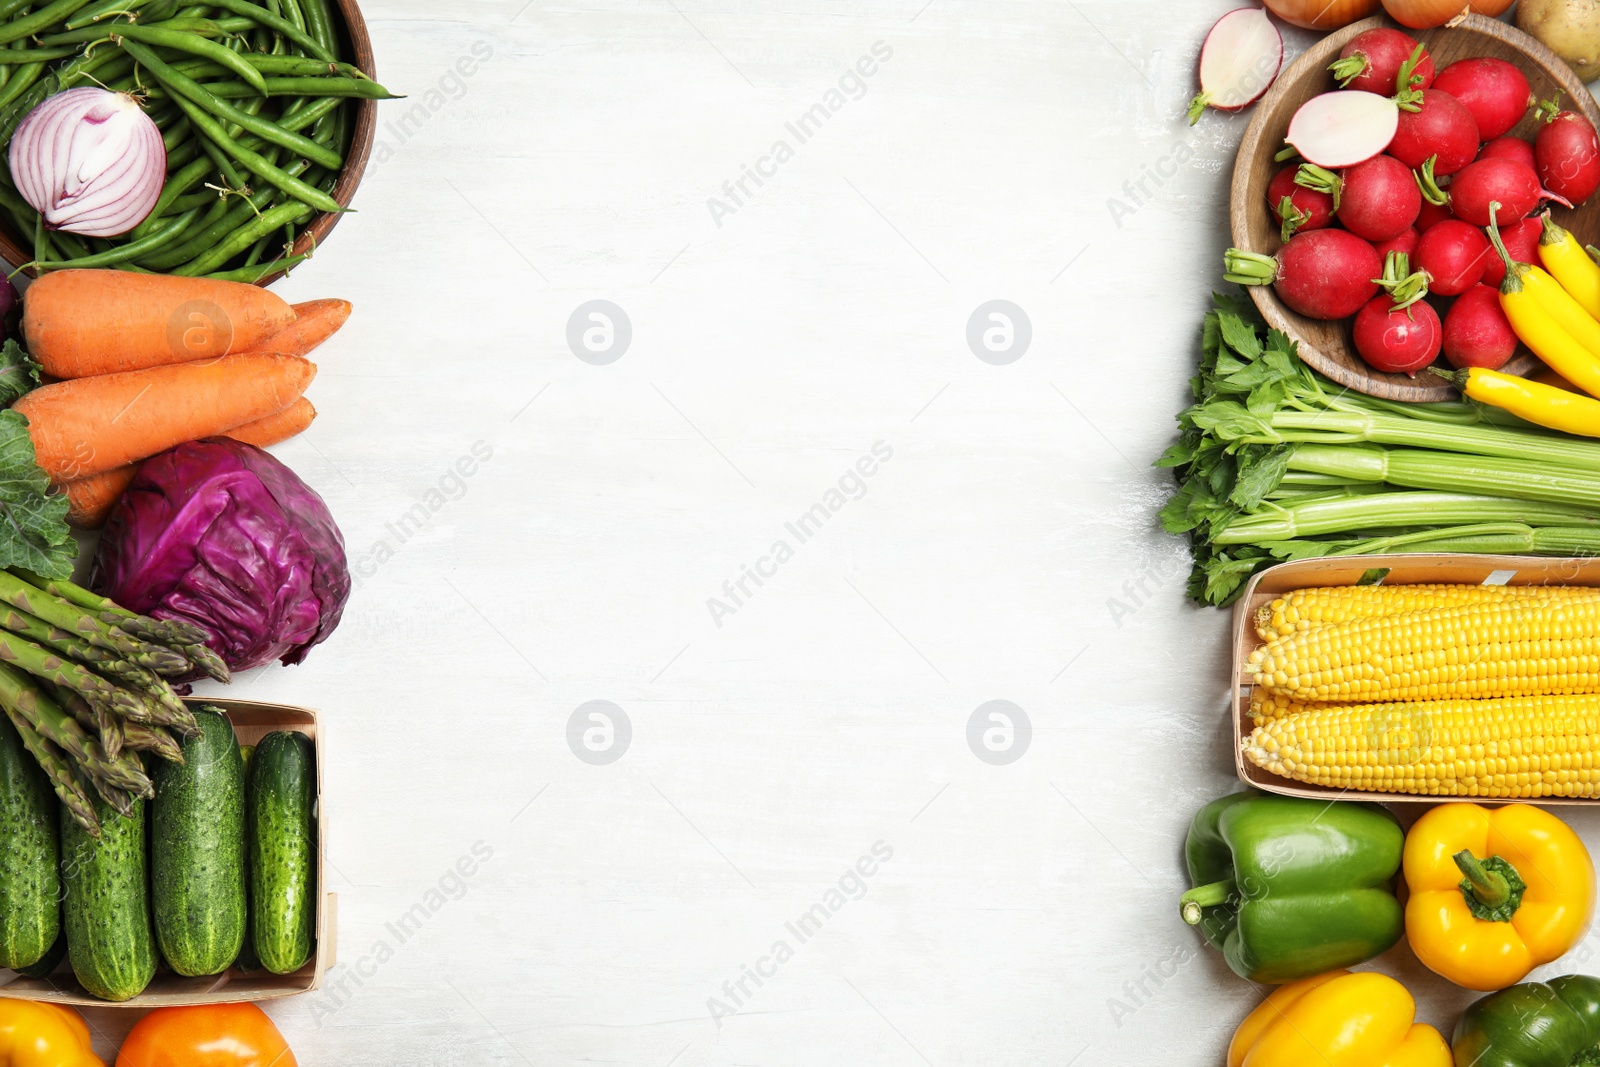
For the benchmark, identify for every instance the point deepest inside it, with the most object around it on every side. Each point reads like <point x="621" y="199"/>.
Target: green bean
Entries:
<point x="284" y="214"/>
<point x="277" y="24"/>
<point x="262" y="128"/>
<point x="123" y="253"/>
<point x="71" y="243"/>
<point x="44" y="18"/>
<point x="11" y="7"/>
<point x="176" y="185"/>
<point x="186" y="42"/>
<point x="41" y="245"/>
<point x="201" y="234"/>
<point x="257" y="250"/>
<point x="301" y="66"/>
<point x="252" y="275"/>
<point x="319" y="21"/>
<point x="17" y="85"/>
<point x="292" y="12"/>
<point x="258" y="166"/>
<point x="103" y="10"/>
<point x="14" y="56"/>
<point x="346" y="87"/>
<point x="304" y="117"/>
<point x="191" y="200"/>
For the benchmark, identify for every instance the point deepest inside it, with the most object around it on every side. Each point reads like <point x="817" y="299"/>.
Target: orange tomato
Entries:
<point x="209" y="1035"/>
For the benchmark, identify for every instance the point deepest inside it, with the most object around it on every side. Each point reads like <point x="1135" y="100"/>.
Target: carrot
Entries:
<point x="315" y="322"/>
<point x="90" y="500"/>
<point x="90" y="425"/>
<point x="80" y="323"/>
<point x="274" y="428"/>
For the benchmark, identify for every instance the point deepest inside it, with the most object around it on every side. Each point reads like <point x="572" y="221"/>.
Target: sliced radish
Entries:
<point x="1341" y="129"/>
<point x="1238" y="62"/>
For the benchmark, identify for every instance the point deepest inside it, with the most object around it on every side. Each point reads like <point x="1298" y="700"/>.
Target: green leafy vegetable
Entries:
<point x="18" y="372"/>
<point x="1276" y="463"/>
<point x="33" y="520"/>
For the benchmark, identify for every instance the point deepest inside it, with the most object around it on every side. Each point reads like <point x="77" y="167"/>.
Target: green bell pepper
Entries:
<point x="1289" y="887"/>
<point x="1535" y="1024"/>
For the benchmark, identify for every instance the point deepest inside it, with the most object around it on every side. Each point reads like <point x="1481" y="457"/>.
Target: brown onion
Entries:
<point x="1322" y="14"/>
<point x="1425" y="14"/>
<point x="90" y="161"/>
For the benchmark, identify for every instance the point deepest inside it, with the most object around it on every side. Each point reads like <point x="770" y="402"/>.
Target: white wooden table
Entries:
<point x="698" y="900"/>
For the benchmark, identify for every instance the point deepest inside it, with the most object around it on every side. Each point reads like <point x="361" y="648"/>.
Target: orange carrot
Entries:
<point x="90" y="425"/>
<point x="315" y="322"/>
<point x="86" y="322"/>
<point x="90" y="500"/>
<point x="266" y="432"/>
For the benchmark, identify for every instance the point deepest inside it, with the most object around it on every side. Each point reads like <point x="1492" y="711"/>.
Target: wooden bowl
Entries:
<point x="16" y="248"/>
<point x="1328" y="346"/>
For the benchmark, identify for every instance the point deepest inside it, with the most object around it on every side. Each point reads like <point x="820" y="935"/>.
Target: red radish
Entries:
<point x="1371" y="63"/>
<point x="1344" y="128"/>
<point x="1307" y="209"/>
<point x="1440" y="126"/>
<point x="1510" y="184"/>
<point x="1324" y="274"/>
<point x="1453" y="255"/>
<point x="1431" y="215"/>
<point x="1476" y="331"/>
<point x="1377" y="200"/>
<point x="1569" y="157"/>
<point x="1522" y="241"/>
<point x="1496" y="93"/>
<point x="1516" y="149"/>
<point x="1406" y="242"/>
<point x="1398" y="340"/>
<point x="1238" y="62"/>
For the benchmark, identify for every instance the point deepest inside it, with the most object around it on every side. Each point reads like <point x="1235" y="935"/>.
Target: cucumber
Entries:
<point x="30" y="856"/>
<point x="283" y="851"/>
<point x="108" y="903"/>
<point x="246" y="960"/>
<point x="49" y="961"/>
<point x="197" y="850"/>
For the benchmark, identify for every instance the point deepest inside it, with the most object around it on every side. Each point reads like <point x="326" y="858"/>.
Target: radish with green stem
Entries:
<point x="1494" y="91"/>
<point x="1238" y="62"/>
<point x="1371" y="63"/>
<point x="1323" y="274"/>
<point x="1435" y="124"/>
<point x="1377" y="200"/>
<point x="1344" y="128"/>
<point x="1521" y="239"/>
<point x="1398" y="332"/>
<point x="1296" y="207"/>
<point x="1476" y="330"/>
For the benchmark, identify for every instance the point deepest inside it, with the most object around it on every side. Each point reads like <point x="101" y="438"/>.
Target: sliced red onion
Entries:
<point x="90" y="161"/>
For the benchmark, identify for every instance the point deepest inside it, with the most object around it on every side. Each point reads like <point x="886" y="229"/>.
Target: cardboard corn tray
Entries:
<point x="252" y="720"/>
<point x="1400" y="570"/>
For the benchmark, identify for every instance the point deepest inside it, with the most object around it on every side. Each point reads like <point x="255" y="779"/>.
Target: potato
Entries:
<point x="1569" y="28"/>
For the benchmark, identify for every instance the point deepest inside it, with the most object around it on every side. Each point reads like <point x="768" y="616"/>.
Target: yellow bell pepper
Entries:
<point x="35" y="1034"/>
<point x="1526" y="898"/>
<point x="1338" y="1019"/>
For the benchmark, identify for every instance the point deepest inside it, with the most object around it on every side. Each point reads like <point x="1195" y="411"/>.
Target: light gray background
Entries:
<point x="1007" y="550"/>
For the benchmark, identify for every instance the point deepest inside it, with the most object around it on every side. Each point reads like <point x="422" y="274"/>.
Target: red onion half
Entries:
<point x="90" y="161"/>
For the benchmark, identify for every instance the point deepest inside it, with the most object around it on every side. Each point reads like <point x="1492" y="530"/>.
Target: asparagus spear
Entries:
<point x="121" y="800"/>
<point x="19" y="693"/>
<point x="53" y="667"/>
<point x="83" y="623"/>
<point x="59" y="771"/>
<point x="153" y="739"/>
<point x="111" y="730"/>
<point x="35" y="629"/>
<point x="161" y="631"/>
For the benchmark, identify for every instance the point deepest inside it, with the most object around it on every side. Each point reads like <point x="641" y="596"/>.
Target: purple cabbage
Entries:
<point x="220" y="534"/>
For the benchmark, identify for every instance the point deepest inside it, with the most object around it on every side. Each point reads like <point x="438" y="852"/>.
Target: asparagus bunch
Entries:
<point x="84" y="681"/>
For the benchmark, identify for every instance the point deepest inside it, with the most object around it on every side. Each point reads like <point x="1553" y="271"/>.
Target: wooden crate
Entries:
<point x="252" y="720"/>
<point x="1398" y="570"/>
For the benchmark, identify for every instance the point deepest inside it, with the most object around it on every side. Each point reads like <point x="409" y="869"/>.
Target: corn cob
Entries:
<point x="1520" y="647"/>
<point x="1305" y="609"/>
<point x="1517" y="747"/>
<point x="1265" y="706"/>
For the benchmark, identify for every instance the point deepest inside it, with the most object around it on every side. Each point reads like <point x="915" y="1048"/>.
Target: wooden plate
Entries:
<point x="16" y="248"/>
<point x="1327" y="346"/>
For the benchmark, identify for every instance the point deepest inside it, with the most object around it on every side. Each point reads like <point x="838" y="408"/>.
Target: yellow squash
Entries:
<point x="1526" y="898"/>
<point x="1338" y="1019"/>
<point x="35" y="1034"/>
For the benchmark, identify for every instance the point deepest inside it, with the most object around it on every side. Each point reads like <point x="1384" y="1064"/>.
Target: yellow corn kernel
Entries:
<point x="1265" y="706"/>
<point x="1511" y="748"/>
<point x="1304" y="609"/>
<point x="1523" y="646"/>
